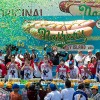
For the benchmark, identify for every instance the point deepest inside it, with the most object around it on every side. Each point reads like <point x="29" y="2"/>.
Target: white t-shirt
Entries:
<point x="74" y="72"/>
<point x="36" y="71"/>
<point x="54" y="95"/>
<point x="28" y="73"/>
<point x="62" y="71"/>
<point x="67" y="93"/>
<point x="12" y="72"/>
<point x="79" y="58"/>
<point x="48" y="72"/>
<point x="1" y="58"/>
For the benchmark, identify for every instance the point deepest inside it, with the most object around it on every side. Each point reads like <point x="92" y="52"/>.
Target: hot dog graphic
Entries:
<point x="57" y="27"/>
<point x="74" y="7"/>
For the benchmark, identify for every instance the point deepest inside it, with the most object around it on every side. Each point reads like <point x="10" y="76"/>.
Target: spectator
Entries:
<point x="67" y="93"/>
<point x="92" y="67"/>
<point x="14" y="95"/>
<point x="37" y="73"/>
<point x="80" y="94"/>
<point x="74" y="71"/>
<point x="79" y="58"/>
<point x="95" y="94"/>
<point x="98" y="66"/>
<point x="8" y="87"/>
<point x="4" y="95"/>
<point x="42" y="93"/>
<point x="46" y="69"/>
<point x="54" y="93"/>
<point x="32" y="93"/>
<point x="70" y="58"/>
<point x="54" y="55"/>
<point x="24" y="91"/>
<point x="13" y="68"/>
<point x="28" y="70"/>
<point x="87" y="87"/>
<point x="62" y="70"/>
<point x="88" y="57"/>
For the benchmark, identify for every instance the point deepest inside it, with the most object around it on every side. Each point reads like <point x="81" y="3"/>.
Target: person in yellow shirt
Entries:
<point x="95" y="94"/>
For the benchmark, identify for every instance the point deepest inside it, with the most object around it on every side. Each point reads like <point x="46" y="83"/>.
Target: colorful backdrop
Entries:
<point x="14" y="13"/>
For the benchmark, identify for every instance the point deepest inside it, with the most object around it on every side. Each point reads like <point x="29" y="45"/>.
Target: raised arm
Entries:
<point x="20" y="57"/>
<point x="8" y="65"/>
<point x="63" y="55"/>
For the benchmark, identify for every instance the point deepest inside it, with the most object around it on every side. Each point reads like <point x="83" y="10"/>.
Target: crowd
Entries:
<point x="33" y="91"/>
<point x="80" y="66"/>
<point x="28" y="66"/>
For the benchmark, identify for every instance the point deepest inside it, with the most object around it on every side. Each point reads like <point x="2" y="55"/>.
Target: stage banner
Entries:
<point x="69" y="24"/>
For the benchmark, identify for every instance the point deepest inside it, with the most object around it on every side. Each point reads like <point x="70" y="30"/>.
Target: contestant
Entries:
<point x="62" y="70"/>
<point x="74" y="71"/>
<point x="37" y="73"/>
<point x="13" y="68"/>
<point x="28" y="70"/>
<point x="46" y="69"/>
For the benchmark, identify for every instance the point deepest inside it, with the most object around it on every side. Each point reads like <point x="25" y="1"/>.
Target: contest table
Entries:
<point x="59" y="86"/>
<point x="59" y="83"/>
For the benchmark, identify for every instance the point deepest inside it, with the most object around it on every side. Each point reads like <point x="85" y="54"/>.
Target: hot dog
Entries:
<point x="54" y="27"/>
<point x="59" y="26"/>
<point x="64" y="6"/>
<point x="90" y="23"/>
